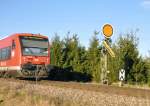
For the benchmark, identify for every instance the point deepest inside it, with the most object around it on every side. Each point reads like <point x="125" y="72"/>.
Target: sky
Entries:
<point x="82" y="17"/>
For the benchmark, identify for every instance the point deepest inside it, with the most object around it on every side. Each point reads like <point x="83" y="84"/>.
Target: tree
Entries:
<point x="147" y="62"/>
<point x="93" y="58"/>
<point x="114" y="65"/>
<point x="56" y="51"/>
<point x="74" y="53"/>
<point x="69" y="54"/>
<point x="130" y="60"/>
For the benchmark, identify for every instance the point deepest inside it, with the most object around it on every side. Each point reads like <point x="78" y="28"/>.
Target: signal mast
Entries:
<point x="106" y="49"/>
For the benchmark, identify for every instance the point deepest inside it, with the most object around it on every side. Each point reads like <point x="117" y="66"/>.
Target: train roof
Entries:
<point x="24" y="34"/>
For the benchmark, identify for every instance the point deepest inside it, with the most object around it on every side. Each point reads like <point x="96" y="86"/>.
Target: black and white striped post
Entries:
<point x="121" y="76"/>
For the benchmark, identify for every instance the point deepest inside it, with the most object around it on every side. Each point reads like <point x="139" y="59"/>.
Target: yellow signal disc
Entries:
<point x="107" y="30"/>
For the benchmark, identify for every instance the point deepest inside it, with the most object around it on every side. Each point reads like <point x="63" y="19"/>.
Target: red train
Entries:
<point x="24" y="55"/>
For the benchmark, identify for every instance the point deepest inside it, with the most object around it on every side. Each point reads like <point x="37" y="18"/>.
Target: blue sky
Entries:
<point x="78" y="16"/>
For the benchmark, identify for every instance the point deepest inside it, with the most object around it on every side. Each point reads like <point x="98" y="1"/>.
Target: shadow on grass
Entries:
<point x="67" y="74"/>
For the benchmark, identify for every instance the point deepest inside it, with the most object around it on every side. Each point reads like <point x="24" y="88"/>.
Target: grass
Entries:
<point x="22" y="97"/>
<point x="24" y="94"/>
<point x="18" y="95"/>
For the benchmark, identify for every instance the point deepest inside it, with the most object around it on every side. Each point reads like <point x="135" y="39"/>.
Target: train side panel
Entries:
<point x="10" y="53"/>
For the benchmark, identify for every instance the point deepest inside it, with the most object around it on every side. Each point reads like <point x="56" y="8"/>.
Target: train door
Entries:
<point x="13" y="48"/>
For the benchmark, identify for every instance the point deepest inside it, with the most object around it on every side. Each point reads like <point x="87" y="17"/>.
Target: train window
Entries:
<point x="5" y="53"/>
<point x="34" y="46"/>
<point x="0" y="54"/>
<point x="13" y="44"/>
<point x="8" y="52"/>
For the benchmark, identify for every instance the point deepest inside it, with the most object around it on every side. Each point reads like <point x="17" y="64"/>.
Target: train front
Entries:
<point x="35" y="56"/>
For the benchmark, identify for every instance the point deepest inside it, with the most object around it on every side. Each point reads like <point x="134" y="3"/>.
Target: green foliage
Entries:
<point x="93" y="58"/>
<point x="128" y="56"/>
<point x="114" y="65"/>
<point x="68" y="53"/>
<point x="71" y="54"/>
<point x="56" y="49"/>
<point x="147" y="64"/>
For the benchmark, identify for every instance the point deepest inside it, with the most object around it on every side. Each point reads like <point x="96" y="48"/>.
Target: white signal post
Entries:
<point x="107" y="32"/>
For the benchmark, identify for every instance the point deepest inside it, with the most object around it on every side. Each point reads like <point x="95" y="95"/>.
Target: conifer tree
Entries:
<point x="56" y="49"/>
<point x="93" y="57"/>
<point x="129" y="59"/>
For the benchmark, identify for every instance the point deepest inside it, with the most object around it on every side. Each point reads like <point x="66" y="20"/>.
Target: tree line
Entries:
<point x="68" y="52"/>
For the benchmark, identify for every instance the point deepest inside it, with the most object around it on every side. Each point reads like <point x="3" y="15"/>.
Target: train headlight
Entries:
<point x="36" y="59"/>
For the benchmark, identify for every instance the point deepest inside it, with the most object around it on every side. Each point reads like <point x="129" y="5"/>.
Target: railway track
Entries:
<point x="133" y="92"/>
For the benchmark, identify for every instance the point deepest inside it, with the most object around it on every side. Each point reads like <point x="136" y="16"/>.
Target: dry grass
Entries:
<point x="22" y="94"/>
<point x="9" y="97"/>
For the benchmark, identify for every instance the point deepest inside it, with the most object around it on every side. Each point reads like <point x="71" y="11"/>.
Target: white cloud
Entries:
<point x="146" y="4"/>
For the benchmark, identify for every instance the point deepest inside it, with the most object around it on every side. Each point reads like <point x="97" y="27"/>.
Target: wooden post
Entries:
<point x="36" y="74"/>
<point x="104" y="79"/>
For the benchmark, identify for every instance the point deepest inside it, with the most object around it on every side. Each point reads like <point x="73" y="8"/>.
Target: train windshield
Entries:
<point x="35" y="46"/>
